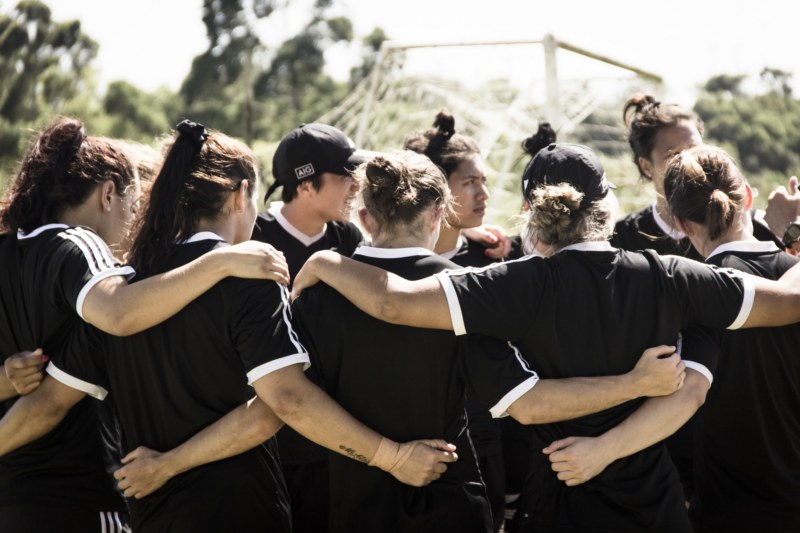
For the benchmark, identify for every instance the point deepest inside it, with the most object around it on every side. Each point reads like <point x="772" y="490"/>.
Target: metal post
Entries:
<point x="553" y="106"/>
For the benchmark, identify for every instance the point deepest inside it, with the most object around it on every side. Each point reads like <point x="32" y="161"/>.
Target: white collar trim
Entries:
<point x="744" y="246"/>
<point x="203" y="236"/>
<point x="392" y="253"/>
<point x="294" y="232"/>
<point x="664" y="226"/>
<point x="22" y="235"/>
<point x="589" y="246"/>
<point x="452" y="253"/>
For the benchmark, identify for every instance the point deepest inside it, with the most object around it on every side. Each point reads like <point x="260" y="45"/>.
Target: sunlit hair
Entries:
<point x="442" y="145"/>
<point x="397" y="189"/>
<point x="60" y="170"/>
<point x="704" y="185"/>
<point x="191" y="186"/>
<point x="646" y="117"/>
<point x="556" y="218"/>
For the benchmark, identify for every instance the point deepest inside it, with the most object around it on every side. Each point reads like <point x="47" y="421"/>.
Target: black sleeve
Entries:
<point x="80" y="259"/>
<point x="494" y="372"/>
<point x="312" y="316"/>
<point x="262" y="329"/>
<point x="496" y="300"/>
<point x="711" y="296"/>
<point x="80" y="364"/>
<point x="700" y="349"/>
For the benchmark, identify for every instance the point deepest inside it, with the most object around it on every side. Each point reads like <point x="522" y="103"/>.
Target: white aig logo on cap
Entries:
<point x="304" y="171"/>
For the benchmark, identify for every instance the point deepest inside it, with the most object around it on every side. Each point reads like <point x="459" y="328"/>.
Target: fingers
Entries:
<point x="440" y="444"/>
<point x="793" y="185"/>
<point x="658" y="351"/>
<point x="26" y="360"/>
<point x="558" y="445"/>
<point x="27" y="389"/>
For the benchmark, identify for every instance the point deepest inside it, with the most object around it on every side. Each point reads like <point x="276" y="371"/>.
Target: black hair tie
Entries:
<point x="194" y="131"/>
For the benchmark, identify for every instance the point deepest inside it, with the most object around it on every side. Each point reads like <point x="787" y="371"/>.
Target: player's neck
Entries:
<point x="448" y="239"/>
<point x="224" y="227"/>
<point x="305" y="220"/>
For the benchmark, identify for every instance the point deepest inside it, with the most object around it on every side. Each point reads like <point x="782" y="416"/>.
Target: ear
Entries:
<point x="646" y="166"/>
<point x="107" y="190"/>
<point x="242" y="196"/>
<point x="367" y="220"/>
<point x="436" y="218"/>
<point x="748" y="196"/>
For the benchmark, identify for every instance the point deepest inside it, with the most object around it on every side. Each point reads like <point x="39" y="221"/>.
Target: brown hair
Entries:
<point x="194" y="183"/>
<point x="704" y="185"/>
<point x="446" y="148"/>
<point x="557" y="218"/>
<point x="396" y="189"/>
<point x="60" y="170"/>
<point x="645" y="117"/>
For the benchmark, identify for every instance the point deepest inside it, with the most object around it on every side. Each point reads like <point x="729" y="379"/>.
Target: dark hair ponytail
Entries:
<point x="545" y="135"/>
<point x="704" y="185"/>
<point x="199" y="171"/>
<point x="446" y="148"/>
<point x="60" y="170"/>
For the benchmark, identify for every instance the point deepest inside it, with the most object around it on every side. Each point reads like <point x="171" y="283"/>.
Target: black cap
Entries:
<point x="311" y="149"/>
<point x="574" y="164"/>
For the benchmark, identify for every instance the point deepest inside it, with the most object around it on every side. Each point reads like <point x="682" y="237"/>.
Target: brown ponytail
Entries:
<point x="60" y="170"/>
<point x="446" y="148"/>
<point x="704" y="185"/>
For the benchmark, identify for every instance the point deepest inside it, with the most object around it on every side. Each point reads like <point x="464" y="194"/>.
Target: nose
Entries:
<point x="483" y="193"/>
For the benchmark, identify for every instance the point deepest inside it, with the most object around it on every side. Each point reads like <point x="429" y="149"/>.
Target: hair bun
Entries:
<point x="445" y="124"/>
<point x="544" y="136"/>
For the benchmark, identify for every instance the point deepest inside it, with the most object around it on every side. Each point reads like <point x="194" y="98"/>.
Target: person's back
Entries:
<point x="171" y="381"/>
<point x="44" y="273"/>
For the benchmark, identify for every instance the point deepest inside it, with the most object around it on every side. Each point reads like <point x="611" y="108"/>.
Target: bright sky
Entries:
<point x="152" y="42"/>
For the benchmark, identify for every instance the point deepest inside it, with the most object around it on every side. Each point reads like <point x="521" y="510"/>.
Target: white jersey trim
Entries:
<point x="744" y="246"/>
<point x="700" y="368"/>
<point x="663" y="225"/>
<point x="589" y="246"/>
<point x="294" y="232"/>
<point x="452" y="303"/>
<point x="95" y="391"/>
<point x="22" y="235"/>
<point x="392" y="253"/>
<point x="267" y="368"/>
<point x="501" y="408"/>
<point x="747" y="302"/>
<point x="203" y="236"/>
<point x="126" y="271"/>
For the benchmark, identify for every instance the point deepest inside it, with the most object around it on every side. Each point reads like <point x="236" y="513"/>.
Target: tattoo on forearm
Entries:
<point x="350" y="452"/>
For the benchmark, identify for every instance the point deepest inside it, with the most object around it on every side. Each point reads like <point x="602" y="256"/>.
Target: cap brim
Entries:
<point x="357" y="158"/>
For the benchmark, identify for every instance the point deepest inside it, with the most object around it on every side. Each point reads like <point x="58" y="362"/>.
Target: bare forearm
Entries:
<point x="553" y="400"/>
<point x="129" y="309"/>
<point x="242" y="429"/>
<point x="28" y="419"/>
<point x="384" y="295"/>
<point x="776" y="303"/>
<point x="656" y="419"/>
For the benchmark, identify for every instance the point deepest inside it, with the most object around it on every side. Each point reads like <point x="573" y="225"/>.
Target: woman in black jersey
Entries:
<point x="587" y="309"/>
<point x="169" y="382"/>
<point x="405" y="199"/>
<point x="72" y="195"/>
<point x="747" y="453"/>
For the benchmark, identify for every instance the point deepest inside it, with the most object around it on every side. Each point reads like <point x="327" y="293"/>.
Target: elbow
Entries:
<point x="287" y="404"/>
<point x="696" y="395"/>
<point x="121" y="323"/>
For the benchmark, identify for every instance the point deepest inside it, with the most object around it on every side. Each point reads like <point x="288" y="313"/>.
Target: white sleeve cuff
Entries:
<point x="747" y="302"/>
<point x="97" y="278"/>
<point x="700" y="368"/>
<point x="95" y="391"/>
<point x="452" y="303"/>
<point x="262" y="370"/>
<point x="500" y="409"/>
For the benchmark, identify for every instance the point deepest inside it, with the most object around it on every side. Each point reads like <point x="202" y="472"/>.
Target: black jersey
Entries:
<point x="172" y="380"/>
<point x="46" y="275"/>
<point x="406" y="383"/>
<point x="747" y="450"/>
<point x="591" y="310"/>
<point x="469" y="253"/>
<point x="273" y="228"/>
<point x="645" y="230"/>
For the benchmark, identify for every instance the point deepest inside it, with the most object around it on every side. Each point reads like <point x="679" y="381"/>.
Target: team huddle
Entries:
<point x="177" y="362"/>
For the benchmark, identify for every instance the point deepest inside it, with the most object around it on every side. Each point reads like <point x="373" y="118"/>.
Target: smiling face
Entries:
<point x="336" y="196"/>
<point x="468" y="186"/>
